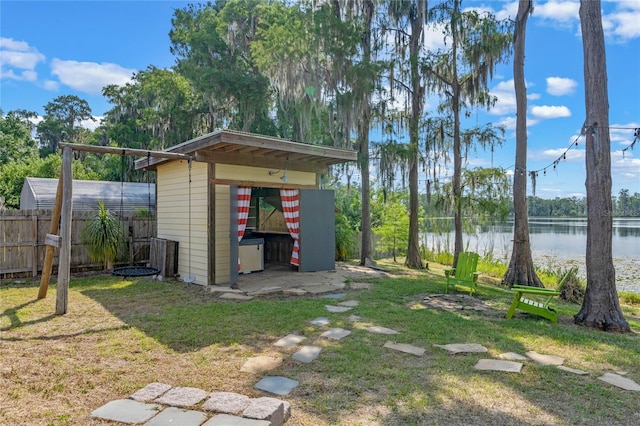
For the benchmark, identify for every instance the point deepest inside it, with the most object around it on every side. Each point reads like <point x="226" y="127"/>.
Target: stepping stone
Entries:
<point x="404" y="347"/>
<point x="349" y="303"/>
<point x="619" y="381"/>
<point x="277" y="385"/>
<point x="457" y="348"/>
<point x="259" y="364"/>
<point x="228" y="420"/>
<point x="320" y="321"/>
<point x="337" y="309"/>
<point x="572" y="370"/>
<point x="289" y="340"/>
<point x="512" y="356"/>
<point x="235" y="296"/>
<point x="354" y="318"/>
<point x="182" y="397"/>
<point x="307" y="354"/>
<point x="150" y="392"/>
<point x="227" y="403"/>
<point x="272" y="410"/>
<point x="126" y="411"/>
<point x="334" y="296"/>
<point x="380" y="330"/>
<point x="177" y="416"/>
<point x="498" y="365"/>
<point x="335" y="333"/>
<point x="543" y="359"/>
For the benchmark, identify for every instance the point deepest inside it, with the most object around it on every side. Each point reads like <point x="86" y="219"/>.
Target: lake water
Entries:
<point x="555" y="242"/>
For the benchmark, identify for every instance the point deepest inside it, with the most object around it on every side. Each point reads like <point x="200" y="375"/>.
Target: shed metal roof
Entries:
<point x="40" y="193"/>
<point x="249" y="149"/>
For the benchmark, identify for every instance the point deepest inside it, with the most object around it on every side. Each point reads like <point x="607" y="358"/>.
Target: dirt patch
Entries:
<point x="458" y="303"/>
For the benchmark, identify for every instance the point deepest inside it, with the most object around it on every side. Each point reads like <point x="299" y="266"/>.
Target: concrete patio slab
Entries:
<point x="381" y="330"/>
<point x="320" y="321"/>
<point x="277" y="385"/>
<point x="307" y="354"/>
<point x="150" y="392"/>
<point x="337" y="309"/>
<point x="266" y="290"/>
<point x="512" y="356"/>
<point x="406" y="348"/>
<point x="335" y="333"/>
<point x="319" y="288"/>
<point x="126" y="411"/>
<point x="229" y="420"/>
<point x="227" y="403"/>
<point x="261" y="363"/>
<point x="572" y="370"/>
<point x="543" y="359"/>
<point x="619" y="381"/>
<point x="223" y="289"/>
<point x="289" y="340"/>
<point x="294" y="291"/>
<point x="177" y="416"/>
<point x="457" y="348"/>
<point x="182" y="397"/>
<point x="498" y="365"/>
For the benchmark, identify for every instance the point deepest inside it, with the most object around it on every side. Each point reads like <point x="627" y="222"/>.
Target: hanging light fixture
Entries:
<point x="284" y="177"/>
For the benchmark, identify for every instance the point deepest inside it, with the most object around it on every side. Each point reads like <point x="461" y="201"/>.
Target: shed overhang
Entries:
<point x="249" y="149"/>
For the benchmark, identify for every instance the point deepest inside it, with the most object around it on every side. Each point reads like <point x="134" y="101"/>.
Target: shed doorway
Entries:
<point x="266" y="224"/>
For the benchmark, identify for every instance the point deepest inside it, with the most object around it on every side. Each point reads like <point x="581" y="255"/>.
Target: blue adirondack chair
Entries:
<point x="464" y="273"/>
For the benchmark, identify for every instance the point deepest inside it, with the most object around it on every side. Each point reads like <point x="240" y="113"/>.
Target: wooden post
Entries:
<point x="34" y="229"/>
<point x="64" y="267"/>
<point x="50" y="250"/>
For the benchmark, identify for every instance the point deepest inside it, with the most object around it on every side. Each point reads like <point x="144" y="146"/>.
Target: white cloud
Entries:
<point x="90" y="77"/>
<point x="622" y="23"/>
<point x="91" y="124"/>
<point x="506" y="95"/>
<point x="563" y="12"/>
<point x="622" y="134"/>
<point x="433" y="37"/>
<point x="18" y="60"/>
<point x="559" y="86"/>
<point x="550" y="111"/>
<point x="51" y="85"/>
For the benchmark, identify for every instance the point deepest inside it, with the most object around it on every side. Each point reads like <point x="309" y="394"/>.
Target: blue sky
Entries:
<point x="54" y="48"/>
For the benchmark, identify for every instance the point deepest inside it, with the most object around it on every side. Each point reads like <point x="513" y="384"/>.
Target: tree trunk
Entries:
<point x="363" y="140"/>
<point x="601" y="308"/>
<point x="417" y="103"/>
<point x="521" y="270"/>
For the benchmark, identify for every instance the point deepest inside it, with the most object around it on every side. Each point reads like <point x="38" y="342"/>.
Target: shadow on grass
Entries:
<point x="186" y="318"/>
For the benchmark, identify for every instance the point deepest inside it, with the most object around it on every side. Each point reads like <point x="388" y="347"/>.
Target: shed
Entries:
<point x="246" y="196"/>
<point x="40" y="193"/>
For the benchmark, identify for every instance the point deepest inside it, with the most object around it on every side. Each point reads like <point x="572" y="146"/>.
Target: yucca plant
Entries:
<point x="102" y="235"/>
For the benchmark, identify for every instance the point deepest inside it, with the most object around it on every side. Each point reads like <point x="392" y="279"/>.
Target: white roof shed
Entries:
<point x="40" y="194"/>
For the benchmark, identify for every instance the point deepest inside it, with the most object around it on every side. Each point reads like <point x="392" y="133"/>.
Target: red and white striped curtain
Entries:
<point x="244" y="200"/>
<point x="291" y="209"/>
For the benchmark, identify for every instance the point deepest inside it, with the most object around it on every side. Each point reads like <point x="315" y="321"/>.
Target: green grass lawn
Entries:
<point x="120" y="335"/>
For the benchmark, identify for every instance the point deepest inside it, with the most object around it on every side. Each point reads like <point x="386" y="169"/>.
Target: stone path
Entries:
<point x="161" y="404"/>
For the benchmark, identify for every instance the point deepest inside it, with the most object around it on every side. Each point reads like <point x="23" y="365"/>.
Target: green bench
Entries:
<point x="539" y="304"/>
<point x="464" y="273"/>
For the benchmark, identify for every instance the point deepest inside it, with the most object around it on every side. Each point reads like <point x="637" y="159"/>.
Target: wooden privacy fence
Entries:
<point x="23" y="232"/>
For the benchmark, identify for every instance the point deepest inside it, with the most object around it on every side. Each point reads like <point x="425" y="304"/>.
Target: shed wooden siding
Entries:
<point x="259" y="174"/>
<point x="222" y="234"/>
<point x="173" y="214"/>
